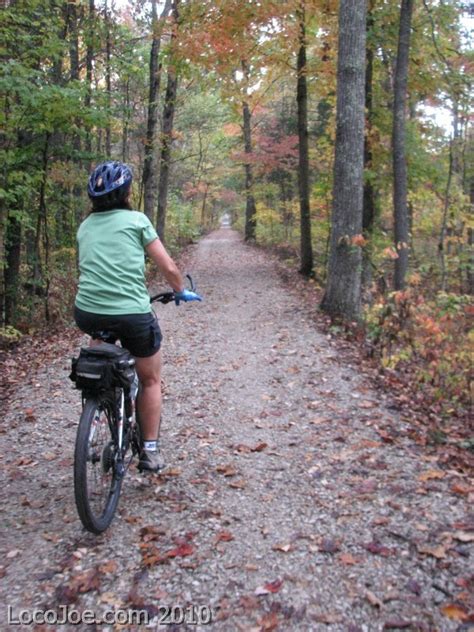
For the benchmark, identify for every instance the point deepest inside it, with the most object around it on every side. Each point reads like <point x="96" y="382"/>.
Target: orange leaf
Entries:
<point x="259" y="447"/>
<point x="459" y="488"/>
<point x="269" y="622"/>
<point x="108" y="567"/>
<point x="358" y="240"/>
<point x="430" y="474"/>
<point x="269" y="587"/>
<point x="224" y="536"/>
<point x="348" y="559"/>
<point x="227" y="470"/>
<point x="181" y="551"/>
<point x="455" y="612"/>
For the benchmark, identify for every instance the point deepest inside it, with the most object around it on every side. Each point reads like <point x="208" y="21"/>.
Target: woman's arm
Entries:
<point x="157" y="252"/>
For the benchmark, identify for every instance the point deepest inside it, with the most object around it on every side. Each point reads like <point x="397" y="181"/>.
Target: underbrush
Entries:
<point x="428" y="339"/>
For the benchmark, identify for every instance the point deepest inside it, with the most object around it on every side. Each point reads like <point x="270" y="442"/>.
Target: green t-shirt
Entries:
<point x="112" y="262"/>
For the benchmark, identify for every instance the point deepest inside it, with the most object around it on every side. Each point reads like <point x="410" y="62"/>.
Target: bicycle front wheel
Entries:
<point x="96" y="483"/>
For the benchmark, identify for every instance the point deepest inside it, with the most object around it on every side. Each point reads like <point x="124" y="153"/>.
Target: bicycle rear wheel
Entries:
<point x="96" y="483"/>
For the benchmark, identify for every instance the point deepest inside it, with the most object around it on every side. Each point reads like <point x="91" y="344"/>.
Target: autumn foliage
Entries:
<point x="429" y="340"/>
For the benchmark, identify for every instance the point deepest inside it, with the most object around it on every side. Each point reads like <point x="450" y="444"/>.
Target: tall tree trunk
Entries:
<point x="369" y="212"/>
<point x="167" y="133"/>
<point x="444" y="222"/>
<point x="126" y="122"/>
<point x="72" y="29"/>
<point x="72" y="211"/>
<point x="400" y="182"/>
<point x="470" y="244"/>
<point x="13" y="242"/>
<point x="149" y="167"/>
<point x="306" y="248"/>
<point x="89" y="66"/>
<point x="108" y="80"/>
<point x="12" y="268"/>
<point x="342" y="296"/>
<point x="37" y="271"/>
<point x="250" y="208"/>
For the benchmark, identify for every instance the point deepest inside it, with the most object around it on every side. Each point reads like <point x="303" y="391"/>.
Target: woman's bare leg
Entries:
<point x="149" y="400"/>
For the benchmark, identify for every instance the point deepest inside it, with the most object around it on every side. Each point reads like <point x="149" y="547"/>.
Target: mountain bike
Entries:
<point x="108" y="435"/>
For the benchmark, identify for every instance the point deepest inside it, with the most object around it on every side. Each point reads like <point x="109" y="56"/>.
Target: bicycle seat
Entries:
<point x="105" y="336"/>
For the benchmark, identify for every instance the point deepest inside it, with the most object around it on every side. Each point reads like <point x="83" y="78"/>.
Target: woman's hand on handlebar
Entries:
<point x="186" y="296"/>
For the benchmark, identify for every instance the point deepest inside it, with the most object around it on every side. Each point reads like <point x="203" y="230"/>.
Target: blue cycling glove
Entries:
<point x="185" y="296"/>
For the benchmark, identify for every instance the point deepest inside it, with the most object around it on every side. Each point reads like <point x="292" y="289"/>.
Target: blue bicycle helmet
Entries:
<point x="109" y="177"/>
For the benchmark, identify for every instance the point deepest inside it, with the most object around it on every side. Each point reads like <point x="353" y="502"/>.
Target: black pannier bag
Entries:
<point x="102" y="367"/>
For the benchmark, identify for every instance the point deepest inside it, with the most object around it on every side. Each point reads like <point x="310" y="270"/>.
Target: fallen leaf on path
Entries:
<point x="226" y="470"/>
<point x="269" y="587"/>
<point x="378" y="549"/>
<point x="242" y="448"/>
<point x="269" y="622"/>
<point x="367" y="443"/>
<point x="150" y="533"/>
<point x="385" y="436"/>
<point x="109" y="598"/>
<point x="373" y="599"/>
<point x="318" y="420"/>
<point x="182" y="550"/>
<point x="348" y="559"/>
<point x="463" y="536"/>
<point x="223" y="536"/>
<point x="439" y="552"/>
<point x="455" y="612"/>
<point x="86" y="581"/>
<point x="30" y="414"/>
<point x="172" y="471"/>
<point x="459" y="488"/>
<point x="284" y="548"/>
<point x="108" y="567"/>
<point x="25" y="461"/>
<point x="52" y="537"/>
<point x="238" y="484"/>
<point x="431" y="474"/>
<point x="367" y="404"/>
<point x="132" y="519"/>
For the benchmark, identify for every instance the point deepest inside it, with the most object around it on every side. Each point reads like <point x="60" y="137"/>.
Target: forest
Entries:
<point x="336" y="134"/>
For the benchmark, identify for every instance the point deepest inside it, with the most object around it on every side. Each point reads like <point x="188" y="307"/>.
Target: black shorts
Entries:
<point x="139" y="333"/>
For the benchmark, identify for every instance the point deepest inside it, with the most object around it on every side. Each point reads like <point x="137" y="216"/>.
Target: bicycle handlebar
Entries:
<point x="167" y="297"/>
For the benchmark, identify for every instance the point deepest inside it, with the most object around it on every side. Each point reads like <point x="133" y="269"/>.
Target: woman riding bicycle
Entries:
<point x="112" y="294"/>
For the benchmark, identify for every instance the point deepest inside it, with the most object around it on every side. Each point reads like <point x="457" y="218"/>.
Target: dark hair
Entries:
<point x="116" y="199"/>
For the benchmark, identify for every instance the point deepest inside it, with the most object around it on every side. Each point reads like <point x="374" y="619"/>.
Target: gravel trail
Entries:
<point x="294" y="499"/>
